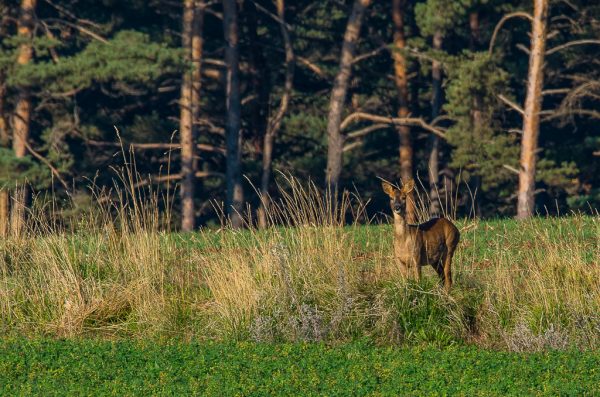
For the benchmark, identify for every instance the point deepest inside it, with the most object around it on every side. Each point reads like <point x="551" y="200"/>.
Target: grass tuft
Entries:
<point x="318" y="272"/>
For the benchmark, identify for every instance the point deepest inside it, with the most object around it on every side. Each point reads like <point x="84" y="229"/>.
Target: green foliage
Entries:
<point x="440" y="15"/>
<point x="129" y="57"/>
<point x="89" y="367"/>
<point x="561" y="176"/>
<point x="481" y="147"/>
<point x="18" y="171"/>
<point x="81" y="87"/>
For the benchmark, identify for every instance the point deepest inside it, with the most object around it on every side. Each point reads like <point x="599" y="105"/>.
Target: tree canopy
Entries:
<point x="108" y="74"/>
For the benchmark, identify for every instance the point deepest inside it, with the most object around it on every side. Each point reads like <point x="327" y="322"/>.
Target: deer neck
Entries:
<point x="400" y="225"/>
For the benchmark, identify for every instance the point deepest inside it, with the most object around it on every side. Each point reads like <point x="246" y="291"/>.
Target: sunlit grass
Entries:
<point x="309" y="276"/>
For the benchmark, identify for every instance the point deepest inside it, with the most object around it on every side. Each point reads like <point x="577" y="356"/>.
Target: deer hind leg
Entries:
<point x="439" y="268"/>
<point x="447" y="263"/>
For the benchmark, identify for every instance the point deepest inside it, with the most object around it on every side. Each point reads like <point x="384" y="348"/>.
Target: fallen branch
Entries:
<point x="351" y="146"/>
<point x="155" y="146"/>
<point x="80" y="28"/>
<point x="311" y="66"/>
<point x="511" y="168"/>
<point x="518" y="14"/>
<point x="175" y="177"/>
<point x="365" y="131"/>
<point x="556" y="91"/>
<point x="48" y="164"/>
<point x="573" y="112"/>
<point x="369" y="54"/>
<point x="412" y="121"/>
<point x="571" y="44"/>
<point x="511" y="104"/>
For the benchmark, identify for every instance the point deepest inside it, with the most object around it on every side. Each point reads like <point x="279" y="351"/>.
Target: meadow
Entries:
<point x="312" y="276"/>
<point x="114" y="303"/>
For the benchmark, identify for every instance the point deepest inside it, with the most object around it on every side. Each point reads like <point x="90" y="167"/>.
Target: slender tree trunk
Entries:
<point x="436" y="106"/>
<point x="192" y="43"/>
<point x="267" y="161"/>
<point x="533" y="105"/>
<point x="186" y="124"/>
<point x="22" y="113"/>
<point x="474" y="39"/>
<point x="235" y="194"/>
<point x="400" y="72"/>
<point x="4" y="212"/>
<point x="335" y="143"/>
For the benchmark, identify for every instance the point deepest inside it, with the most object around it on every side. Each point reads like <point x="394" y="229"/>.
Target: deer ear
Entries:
<point x="408" y="186"/>
<point x="388" y="189"/>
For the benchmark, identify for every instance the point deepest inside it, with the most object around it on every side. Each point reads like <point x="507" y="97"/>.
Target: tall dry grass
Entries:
<point x="318" y="272"/>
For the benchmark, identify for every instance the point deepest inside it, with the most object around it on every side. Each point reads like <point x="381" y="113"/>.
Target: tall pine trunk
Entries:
<point x="186" y="124"/>
<point x="400" y="74"/>
<point x="436" y="106"/>
<point x="533" y="105"/>
<point x="235" y="194"/>
<point x="335" y="140"/>
<point x="22" y="113"/>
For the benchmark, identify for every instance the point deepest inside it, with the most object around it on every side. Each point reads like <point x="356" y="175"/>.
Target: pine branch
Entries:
<point x="414" y="121"/>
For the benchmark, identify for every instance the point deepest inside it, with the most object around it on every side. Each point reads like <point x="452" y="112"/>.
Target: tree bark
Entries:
<point x="533" y="105"/>
<point x="186" y="124"/>
<point x="474" y="39"/>
<point x="436" y="106"/>
<point x="4" y="212"/>
<point x="22" y="113"/>
<point x="400" y="74"/>
<point x="235" y="194"/>
<point x="335" y="140"/>
<point x="275" y="122"/>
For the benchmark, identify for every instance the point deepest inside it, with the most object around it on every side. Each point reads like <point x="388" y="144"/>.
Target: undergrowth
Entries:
<point x="309" y="276"/>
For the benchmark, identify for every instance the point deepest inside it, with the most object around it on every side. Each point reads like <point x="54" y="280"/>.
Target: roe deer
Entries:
<point x="432" y="242"/>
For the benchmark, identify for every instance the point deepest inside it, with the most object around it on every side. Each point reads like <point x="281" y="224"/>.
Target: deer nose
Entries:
<point x="397" y="207"/>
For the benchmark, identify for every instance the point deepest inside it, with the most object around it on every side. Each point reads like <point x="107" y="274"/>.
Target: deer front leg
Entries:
<point x="404" y="268"/>
<point x="401" y="262"/>
<point x="416" y="265"/>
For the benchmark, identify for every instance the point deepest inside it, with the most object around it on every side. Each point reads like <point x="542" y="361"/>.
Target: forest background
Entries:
<point x="493" y="104"/>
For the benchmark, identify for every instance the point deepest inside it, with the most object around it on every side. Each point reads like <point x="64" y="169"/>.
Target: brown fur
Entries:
<point x="430" y="243"/>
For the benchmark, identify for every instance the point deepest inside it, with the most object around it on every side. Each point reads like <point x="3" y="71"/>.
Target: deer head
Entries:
<point x="398" y="197"/>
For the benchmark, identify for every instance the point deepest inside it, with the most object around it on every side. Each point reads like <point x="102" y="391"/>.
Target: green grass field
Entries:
<point x="117" y="306"/>
<point x="93" y="367"/>
<point x="521" y="286"/>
